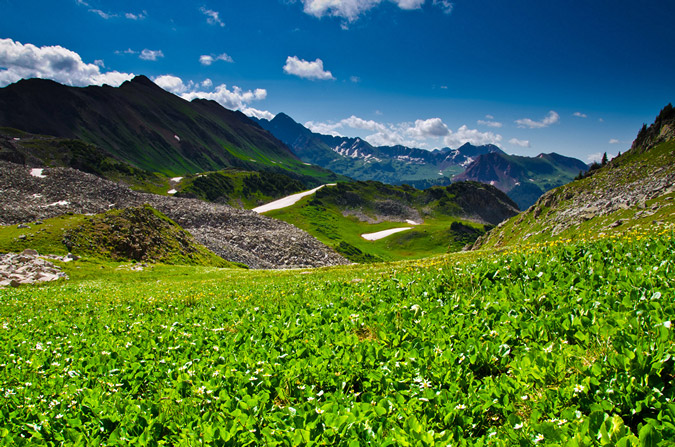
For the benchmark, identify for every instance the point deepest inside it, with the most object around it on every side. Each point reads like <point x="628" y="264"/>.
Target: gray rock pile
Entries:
<point x="27" y="267"/>
<point x="236" y="235"/>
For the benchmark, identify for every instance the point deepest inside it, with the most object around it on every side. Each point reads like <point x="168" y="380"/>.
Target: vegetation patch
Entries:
<point x="559" y="344"/>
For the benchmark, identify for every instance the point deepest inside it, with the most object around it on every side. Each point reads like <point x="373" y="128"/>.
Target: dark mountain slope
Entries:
<point x="152" y="129"/>
<point x="524" y="179"/>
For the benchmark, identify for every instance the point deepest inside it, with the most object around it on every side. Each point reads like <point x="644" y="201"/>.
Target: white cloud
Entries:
<point x="212" y="17"/>
<point x="172" y="84"/>
<point x="551" y="118"/>
<point x="490" y="123"/>
<point x="103" y="14"/>
<point x="445" y="5"/>
<point x="132" y="16"/>
<point x="614" y="141"/>
<point x="580" y="115"/>
<point x="350" y="10"/>
<point x="324" y="128"/>
<point x="307" y="70"/>
<point x="234" y="99"/>
<point x="465" y="135"/>
<point x="19" y="61"/>
<point x="355" y="79"/>
<point x="207" y="59"/>
<point x="109" y="15"/>
<point x="409" y="4"/>
<point x="521" y="143"/>
<point x="151" y="55"/>
<point x="424" y="134"/>
<point x="432" y="127"/>
<point x="358" y="123"/>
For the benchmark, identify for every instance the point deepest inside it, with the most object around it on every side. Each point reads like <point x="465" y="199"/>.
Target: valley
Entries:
<point x="248" y="297"/>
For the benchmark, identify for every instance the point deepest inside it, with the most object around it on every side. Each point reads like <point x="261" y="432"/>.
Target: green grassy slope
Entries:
<point x="570" y="345"/>
<point x="451" y="217"/>
<point x="139" y="234"/>
<point x="633" y="191"/>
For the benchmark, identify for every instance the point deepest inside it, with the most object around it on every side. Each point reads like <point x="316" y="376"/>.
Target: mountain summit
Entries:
<point x="141" y="123"/>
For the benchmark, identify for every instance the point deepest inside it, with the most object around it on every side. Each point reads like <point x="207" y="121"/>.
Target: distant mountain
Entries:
<point x="150" y="128"/>
<point x="358" y="159"/>
<point x="524" y="179"/>
<point x="633" y="191"/>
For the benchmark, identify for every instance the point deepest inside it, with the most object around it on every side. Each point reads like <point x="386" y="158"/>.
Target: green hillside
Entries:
<point x="633" y="191"/>
<point x="141" y="124"/>
<point x="140" y="234"/>
<point x="569" y="345"/>
<point x="450" y="217"/>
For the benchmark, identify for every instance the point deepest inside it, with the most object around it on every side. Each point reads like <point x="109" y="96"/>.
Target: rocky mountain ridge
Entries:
<point x="635" y="188"/>
<point x="236" y="235"/>
<point x="524" y="178"/>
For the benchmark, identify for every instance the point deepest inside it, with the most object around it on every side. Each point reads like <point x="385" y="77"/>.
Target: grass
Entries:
<point x="564" y="343"/>
<point x="331" y="227"/>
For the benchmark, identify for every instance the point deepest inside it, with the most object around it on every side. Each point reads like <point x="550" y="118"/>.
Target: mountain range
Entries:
<point x="524" y="179"/>
<point x="150" y="128"/>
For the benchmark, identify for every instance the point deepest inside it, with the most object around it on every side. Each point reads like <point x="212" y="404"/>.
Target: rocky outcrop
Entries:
<point x="28" y="267"/>
<point x="234" y="234"/>
<point x="627" y="183"/>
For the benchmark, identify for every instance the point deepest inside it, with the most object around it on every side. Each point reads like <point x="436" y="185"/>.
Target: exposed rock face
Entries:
<point x="27" y="268"/>
<point x="236" y="235"/>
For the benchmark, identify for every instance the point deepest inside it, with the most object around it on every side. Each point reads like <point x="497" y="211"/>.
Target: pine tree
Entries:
<point x="604" y="159"/>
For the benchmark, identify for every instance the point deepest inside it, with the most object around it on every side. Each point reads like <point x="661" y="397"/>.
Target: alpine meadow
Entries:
<point x="347" y="223"/>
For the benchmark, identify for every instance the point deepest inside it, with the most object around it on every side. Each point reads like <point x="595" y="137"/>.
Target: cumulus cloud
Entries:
<point x="614" y="141"/>
<point x="521" y="143"/>
<point x="208" y="59"/>
<point x="19" y="61"/>
<point x="465" y="135"/>
<point x="580" y="115"/>
<point x="350" y="10"/>
<point x="151" y="55"/>
<point x="212" y="17"/>
<point x="432" y="127"/>
<point x="551" y="118"/>
<point x="234" y="98"/>
<point x="425" y="133"/>
<point x="307" y="70"/>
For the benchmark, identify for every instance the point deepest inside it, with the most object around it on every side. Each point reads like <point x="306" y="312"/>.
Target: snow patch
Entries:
<point x="37" y="172"/>
<point x="412" y="222"/>
<point x="383" y="234"/>
<point x="307" y="164"/>
<point x="171" y="191"/>
<point x="176" y="179"/>
<point x="59" y="203"/>
<point x="288" y="200"/>
<point x="177" y="137"/>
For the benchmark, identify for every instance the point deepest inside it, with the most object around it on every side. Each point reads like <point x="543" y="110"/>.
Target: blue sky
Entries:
<point x="575" y="77"/>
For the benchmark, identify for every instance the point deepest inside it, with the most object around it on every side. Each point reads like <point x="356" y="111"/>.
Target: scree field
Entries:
<point x="560" y="343"/>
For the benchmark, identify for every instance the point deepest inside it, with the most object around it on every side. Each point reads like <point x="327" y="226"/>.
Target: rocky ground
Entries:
<point x="28" y="267"/>
<point x="236" y="235"/>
